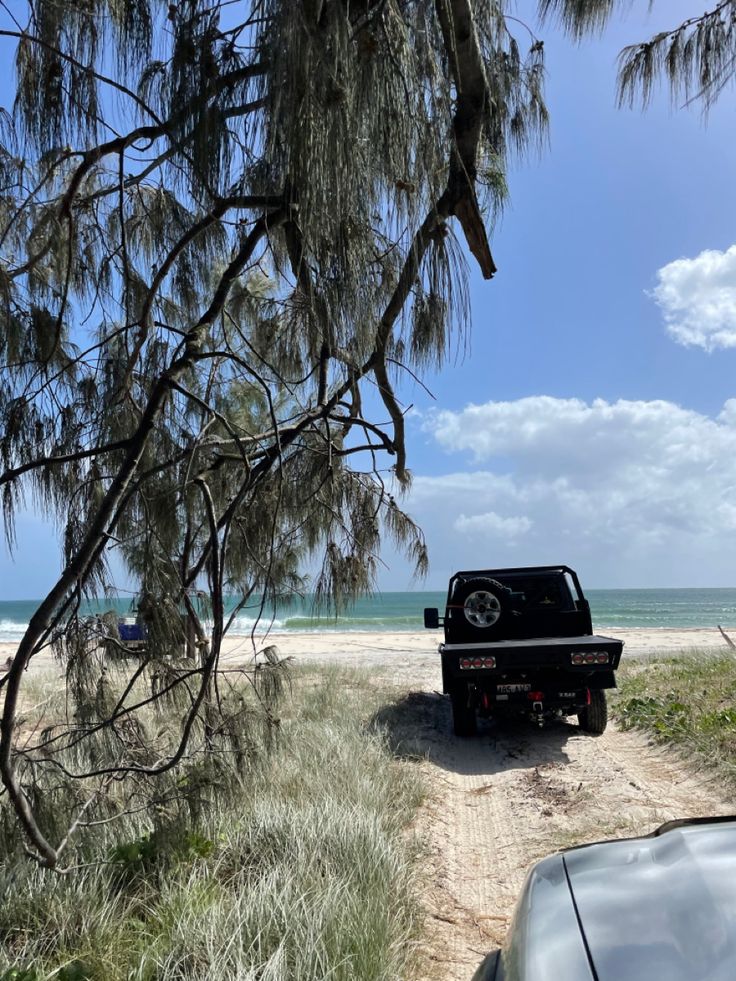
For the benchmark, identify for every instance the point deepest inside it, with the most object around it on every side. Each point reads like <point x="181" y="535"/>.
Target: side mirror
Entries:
<point x="431" y="618"/>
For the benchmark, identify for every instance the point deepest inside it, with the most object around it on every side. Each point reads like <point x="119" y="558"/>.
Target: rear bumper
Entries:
<point x="549" y="699"/>
<point x="535" y="697"/>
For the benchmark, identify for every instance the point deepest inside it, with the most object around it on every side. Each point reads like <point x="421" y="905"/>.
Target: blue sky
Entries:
<point x="580" y="428"/>
<point x="589" y="422"/>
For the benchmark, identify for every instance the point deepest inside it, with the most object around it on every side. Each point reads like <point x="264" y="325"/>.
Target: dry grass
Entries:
<point x="307" y="873"/>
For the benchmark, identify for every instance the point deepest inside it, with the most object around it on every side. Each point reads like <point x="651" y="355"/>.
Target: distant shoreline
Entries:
<point x="401" y="612"/>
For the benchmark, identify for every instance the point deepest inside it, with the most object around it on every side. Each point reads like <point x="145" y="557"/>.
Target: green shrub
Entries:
<point x="689" y="701"/>
<point x="667" y="717"/>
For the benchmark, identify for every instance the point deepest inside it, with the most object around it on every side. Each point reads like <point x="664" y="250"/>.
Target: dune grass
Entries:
<point x="688" y="701"/>
<point x="306" y="873"/>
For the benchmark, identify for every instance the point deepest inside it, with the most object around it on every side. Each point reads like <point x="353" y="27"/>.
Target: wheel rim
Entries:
<point x="482" y="608"/>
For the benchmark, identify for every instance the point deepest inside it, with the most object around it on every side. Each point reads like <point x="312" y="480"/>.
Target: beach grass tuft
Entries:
<point x="307" y="872"/>
<point x="688" y="701"/>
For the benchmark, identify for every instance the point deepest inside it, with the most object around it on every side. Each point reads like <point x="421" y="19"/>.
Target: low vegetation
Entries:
<point x="688" y="701"/>
<point x="306" y="872"/>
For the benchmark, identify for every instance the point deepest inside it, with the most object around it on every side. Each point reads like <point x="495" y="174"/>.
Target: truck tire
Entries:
<point x="479" y="602"/>
<point x="464" y="722"/>
<point x="594" y="718"/>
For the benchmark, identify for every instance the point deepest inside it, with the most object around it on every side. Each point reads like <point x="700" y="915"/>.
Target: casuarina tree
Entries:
<point x="228" y="233"/>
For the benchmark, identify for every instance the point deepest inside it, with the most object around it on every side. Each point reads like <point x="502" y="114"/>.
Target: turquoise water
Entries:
<point x="403" y="611"/>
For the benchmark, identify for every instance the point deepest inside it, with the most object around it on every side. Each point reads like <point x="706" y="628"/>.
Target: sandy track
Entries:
<point x="502" y="800"/>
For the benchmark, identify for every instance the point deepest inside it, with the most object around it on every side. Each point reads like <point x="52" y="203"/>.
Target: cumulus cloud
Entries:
<point x="548" y="435"/>
<point x="492" y="525"/>
<point x="637" y="492"/>
<point x="698" y="299"/>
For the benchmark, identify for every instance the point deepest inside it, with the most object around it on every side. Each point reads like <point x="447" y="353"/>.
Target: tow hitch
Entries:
<point x="536" y="697"/>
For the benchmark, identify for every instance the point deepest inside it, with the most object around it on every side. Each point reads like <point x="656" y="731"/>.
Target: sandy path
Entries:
<point x="502" y="800"/>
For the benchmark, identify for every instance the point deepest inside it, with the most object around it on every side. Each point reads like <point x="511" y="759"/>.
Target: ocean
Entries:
<point x="611" y="608"/>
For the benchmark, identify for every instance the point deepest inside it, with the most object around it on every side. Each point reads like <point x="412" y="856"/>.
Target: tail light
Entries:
<point x="535" y="696"/>
<point x="590" y="657"/>
<point x="477" y="662"/>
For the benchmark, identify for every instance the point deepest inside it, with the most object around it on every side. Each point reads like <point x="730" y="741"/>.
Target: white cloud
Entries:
<point x="635" y="493"/>
<point x="549" y="435"/>
<point x="492" y="525"/>
<point x="698" y="299"/>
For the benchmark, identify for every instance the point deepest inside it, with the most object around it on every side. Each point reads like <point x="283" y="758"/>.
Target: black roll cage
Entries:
<point x="520" y="570"/>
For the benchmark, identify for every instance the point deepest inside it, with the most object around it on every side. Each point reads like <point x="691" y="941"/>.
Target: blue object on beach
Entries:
<point x="132" y="631"/>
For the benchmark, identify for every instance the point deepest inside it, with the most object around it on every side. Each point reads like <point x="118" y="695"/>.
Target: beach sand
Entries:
<point x="402" y="655"/>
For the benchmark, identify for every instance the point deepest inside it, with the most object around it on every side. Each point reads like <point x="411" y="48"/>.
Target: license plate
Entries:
<point x="511" y="688"/>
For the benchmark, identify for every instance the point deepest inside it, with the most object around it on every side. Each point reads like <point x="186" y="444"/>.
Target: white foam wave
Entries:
<point x="11" y="631"/>
<point x="243" y="626"/>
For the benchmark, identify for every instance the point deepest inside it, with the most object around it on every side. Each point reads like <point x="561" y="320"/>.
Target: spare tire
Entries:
<point x="478" y="603"/>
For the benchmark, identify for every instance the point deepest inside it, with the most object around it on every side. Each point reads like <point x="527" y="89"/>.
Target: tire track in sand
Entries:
<point x="505" y="798"/>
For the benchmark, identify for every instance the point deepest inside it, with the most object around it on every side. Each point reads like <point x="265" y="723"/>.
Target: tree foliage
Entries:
<point x="696" y="59"/>
<point x="227" y="233"/>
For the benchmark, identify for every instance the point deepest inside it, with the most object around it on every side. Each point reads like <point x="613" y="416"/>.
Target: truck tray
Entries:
<point x="539" y="651"/>
<point x="587" y="641"/>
